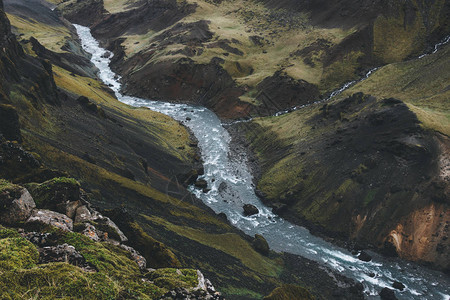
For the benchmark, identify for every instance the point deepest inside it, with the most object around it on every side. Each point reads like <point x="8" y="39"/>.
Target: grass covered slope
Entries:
<point x="421" y="83"/>
<point x="235" y="56"/>
<point x="117" y="276"/>
<point x="364" y="168"/>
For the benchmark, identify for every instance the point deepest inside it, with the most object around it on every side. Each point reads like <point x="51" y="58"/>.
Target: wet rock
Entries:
<point x="137" y="257"/>
<point x="278" y="208"/>
<point x="201" y="184"/>
<point x="364" y="256"/>
<point x="398" y="285"/>
<point x="387" y="294"/>
<point x="64" y="253"/>
<point x="260" y="244"/>
<point x="250" y="210"/>
<point x="48" y="217"/>
<point x="83" y="214"/>
<point x="16" y="205"/>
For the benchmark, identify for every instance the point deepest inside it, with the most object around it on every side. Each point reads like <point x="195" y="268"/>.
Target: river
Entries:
<point x="231" y="186"/>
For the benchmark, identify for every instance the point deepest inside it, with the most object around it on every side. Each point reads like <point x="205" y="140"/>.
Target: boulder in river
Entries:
<point x="398" y="285"/>
<point x="250" y="210"/>
<point x="387" y="294"/>
<point x="364" y="256"/>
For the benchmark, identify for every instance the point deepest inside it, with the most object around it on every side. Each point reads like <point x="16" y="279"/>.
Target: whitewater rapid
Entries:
<point x="231" y="187"/>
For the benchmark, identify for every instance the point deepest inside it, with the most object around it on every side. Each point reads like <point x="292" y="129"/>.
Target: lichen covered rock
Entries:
<point x="16" y="203"/>
<point x="48" y="217"/>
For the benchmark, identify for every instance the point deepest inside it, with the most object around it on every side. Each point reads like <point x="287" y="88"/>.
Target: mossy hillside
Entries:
<point x="53" y="37"/>
<point x="420" y="83"/>
<point x="397" y="36"/>
<point x="326" y="181"/>
<point x="236" y="267"/>
<point x="15" y="251"/>
<point x="167" y="132"/>
<point x="170" y="278"/>
<point x="289" y="292"/>
<point x="255" y="41"/>
<point x="229" y="243"/>
<point x="118" y="275"/>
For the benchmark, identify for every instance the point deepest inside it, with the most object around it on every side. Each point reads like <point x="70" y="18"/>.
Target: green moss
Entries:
<point x="229" y="243"/>
<point x="53" y="191"/>
<point x="370" y="196"/>
<point x="289" y="292"/>
<point x="57" y="280"/>
<point x="340" y="71"/>
<point x="16" y="252"/>
<point x="8" y="187"/>
<point x="171" y="278"/>
<point x="8" y="233"/>
<point x="241" y="292"/>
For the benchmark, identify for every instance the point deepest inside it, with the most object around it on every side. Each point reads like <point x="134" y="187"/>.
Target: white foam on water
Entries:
<point x="233" y="187"/>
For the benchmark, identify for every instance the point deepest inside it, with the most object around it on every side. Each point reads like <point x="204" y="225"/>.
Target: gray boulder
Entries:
<point x="83" y="214"/>
<point x="52" y="218"/>
<point x="250" y="210"/>
<point x="16" y="205"/>
<point x="137" y="257"/>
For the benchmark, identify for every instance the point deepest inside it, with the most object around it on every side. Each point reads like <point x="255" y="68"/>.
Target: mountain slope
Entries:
<point x="235" y="56"/>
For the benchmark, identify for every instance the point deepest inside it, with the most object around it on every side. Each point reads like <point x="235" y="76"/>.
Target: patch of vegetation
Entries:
<point x="170" y="278"/>
<point x="229" y="243"/>
<point x="421" y="83"/>
<point x="289" y="292"/>
<point x="52" y="37"/>
<point x="52" y="192"/>
<point x="16" y="252"/>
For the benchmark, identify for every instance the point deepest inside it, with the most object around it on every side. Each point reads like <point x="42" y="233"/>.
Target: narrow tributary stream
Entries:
<point x="231" y="186"/>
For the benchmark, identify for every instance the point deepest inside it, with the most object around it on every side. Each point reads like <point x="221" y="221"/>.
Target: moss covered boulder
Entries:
<point x="60" y="194"/>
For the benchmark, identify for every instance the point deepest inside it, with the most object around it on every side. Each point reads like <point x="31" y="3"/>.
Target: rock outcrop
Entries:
<point x="48" y="217"/>
<point x="16" y="203"/>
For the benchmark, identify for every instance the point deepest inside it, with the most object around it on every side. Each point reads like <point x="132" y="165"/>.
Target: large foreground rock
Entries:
<point x="16" y="204"/>
<point x="52" y="218"/>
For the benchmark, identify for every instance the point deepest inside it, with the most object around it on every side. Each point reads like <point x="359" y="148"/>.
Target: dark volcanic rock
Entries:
<point x="398" y="285"/>
<point x="9" y="123"/>
<point x="364" y="256"/>
<point x="387" y="294"/>
<point x="250" y="209"/>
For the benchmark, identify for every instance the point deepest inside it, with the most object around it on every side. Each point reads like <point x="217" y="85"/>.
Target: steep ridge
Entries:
<point x="132" y="164"/>
<point x="363" y="169"/>
<point x="235" y="56"/>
